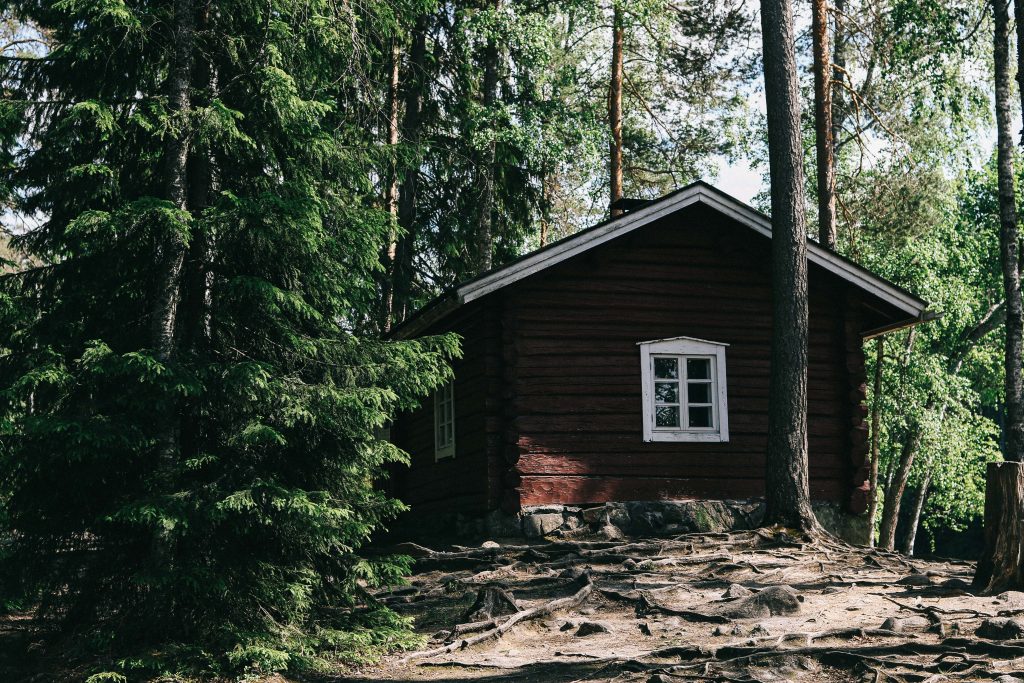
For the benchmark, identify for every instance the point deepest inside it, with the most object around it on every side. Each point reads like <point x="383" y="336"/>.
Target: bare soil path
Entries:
<point x="747" y="606"/>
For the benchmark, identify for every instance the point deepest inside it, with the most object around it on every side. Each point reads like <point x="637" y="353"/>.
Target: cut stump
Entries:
<point x="1000" y="565"/>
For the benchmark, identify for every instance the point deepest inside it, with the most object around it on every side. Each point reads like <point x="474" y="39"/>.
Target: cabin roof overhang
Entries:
<point x="700" y="192"/>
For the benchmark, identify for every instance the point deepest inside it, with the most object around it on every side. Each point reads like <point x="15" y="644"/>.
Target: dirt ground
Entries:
<point x="747" y="606"/>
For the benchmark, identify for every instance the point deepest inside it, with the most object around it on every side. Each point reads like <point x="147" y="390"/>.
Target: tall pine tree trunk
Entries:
<point x="615" y="110"/>
<point x="391" y="190"/>
<point x="876" y="423"/>
<point x="823" y="125"/>
<point x="786" y="479"/>
<point x="485" y="200"/>
<point x="838" y="111"/>
<point x="407" y="192"/>
<point x="999" y="567"/>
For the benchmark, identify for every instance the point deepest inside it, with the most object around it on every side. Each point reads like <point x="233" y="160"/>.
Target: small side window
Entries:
<point x="444" y="421"/>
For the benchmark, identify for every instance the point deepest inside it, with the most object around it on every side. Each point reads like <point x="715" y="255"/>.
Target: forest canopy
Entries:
<point x="214" y="213"/>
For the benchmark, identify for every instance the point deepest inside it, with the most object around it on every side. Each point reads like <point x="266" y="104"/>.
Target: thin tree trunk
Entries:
<point x="838" y="112"/>
<point x="1018" y="15"/>
<point x="894" y="494"/>
<point x="170" y="263"/>
<point x="391" y="191"/>
<point x="1009" y="244"/>
<point x="823" y="125"/>
<point x="876" y="422"/>
<point x="485" y="205"/>
<point x="920" y="496"/>
<point x="407" y="191"/>
<point x="786" y="482"/>
<point x="615" y="109"/>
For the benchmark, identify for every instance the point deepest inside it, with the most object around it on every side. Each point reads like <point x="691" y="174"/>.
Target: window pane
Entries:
<point x="666" y="368"/>
<point x="700" y="417"/>
<point x="666" y="416"/>
<point x="699" y="392"/>
<point x="698" y="368"/>
<point x="666" y="392"/>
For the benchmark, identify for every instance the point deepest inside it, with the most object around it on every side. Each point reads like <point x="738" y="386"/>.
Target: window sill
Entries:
<point x="684" y="437"/>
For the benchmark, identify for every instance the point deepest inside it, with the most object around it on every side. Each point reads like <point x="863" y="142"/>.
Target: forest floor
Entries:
<point x="746" y="606"/>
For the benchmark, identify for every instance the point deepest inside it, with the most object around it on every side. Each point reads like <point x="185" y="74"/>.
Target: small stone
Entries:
<point x="955" y="584"/>
<point x="587" y="611"/>
<point x="737" y="630"/>
<point x="489" y="544"/>
<point x="629" y="564"/>
<point x="541" y="524"/>
<point x="1010" y="596"/>
<point x="760" y="631"/>
<point x="720" y="631"/>
<point x="589" y="628"/>
<point x="659" y="678"/>
<point x="568" y="626"/>
<point x="644" y="627"/>
<point x="737" y="591"/>
<point x="998" y="628"/>
<point x="611" y="532"/>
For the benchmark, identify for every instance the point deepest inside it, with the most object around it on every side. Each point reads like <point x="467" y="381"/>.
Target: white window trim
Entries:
<point x="684" y="346"/>
<point x="447" y="450"/>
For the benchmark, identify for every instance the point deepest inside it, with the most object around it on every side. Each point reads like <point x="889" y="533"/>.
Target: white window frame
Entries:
<point x="444" y="396"/>
<point x="682" y="348"/>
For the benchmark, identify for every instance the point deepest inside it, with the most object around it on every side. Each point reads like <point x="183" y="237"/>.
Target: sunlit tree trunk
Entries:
<point x="615" y="108"/>
<point x="391" y="190"/>
<point x="786" y="481"/>
<point x="823" y="125"/>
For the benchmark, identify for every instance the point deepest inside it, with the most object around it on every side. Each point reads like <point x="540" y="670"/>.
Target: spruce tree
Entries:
<point x="189" y="429"/>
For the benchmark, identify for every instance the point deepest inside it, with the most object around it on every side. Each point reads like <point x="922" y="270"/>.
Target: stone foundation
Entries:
<point x="617" y="520"/>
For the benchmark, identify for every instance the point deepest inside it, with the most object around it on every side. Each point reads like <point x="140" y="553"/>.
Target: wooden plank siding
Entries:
<point x="548" y="393"/>
<point x="577" y="368"/>
<point x="466" y="482"/>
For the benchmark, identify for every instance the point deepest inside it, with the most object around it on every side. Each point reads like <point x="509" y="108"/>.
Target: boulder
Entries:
<point x="999" y="628"/>
<point x="770" y="602"/>
<point x="589" y="628"/>
<point x="539" y="524"/>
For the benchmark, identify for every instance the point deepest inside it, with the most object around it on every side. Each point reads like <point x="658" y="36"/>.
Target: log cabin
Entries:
<point x="630" y="362"/>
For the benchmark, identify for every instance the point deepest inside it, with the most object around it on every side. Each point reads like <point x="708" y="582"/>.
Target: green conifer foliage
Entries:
<point x="211" y="495"/>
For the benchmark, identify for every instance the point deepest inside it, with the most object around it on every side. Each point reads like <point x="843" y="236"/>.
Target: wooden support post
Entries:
<point x="1000" y="567"/>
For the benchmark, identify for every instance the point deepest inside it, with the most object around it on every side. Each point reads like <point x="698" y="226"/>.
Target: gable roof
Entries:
<point x="699" y="192"/>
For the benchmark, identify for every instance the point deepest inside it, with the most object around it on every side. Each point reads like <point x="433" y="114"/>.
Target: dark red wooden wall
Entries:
<point x="548" y="395"/>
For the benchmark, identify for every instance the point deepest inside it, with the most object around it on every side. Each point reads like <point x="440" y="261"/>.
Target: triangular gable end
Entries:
<point x="696" y="193"/>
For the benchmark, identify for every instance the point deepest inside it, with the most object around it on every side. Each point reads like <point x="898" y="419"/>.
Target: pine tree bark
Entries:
<point x="823" y="125"/>
<point x="485" y="201"/>
<point x="615" y="110"/>
<point x="391" y="190"/>
<point x="876" y="423"/>
<point x="838" y="75"/>
<point x="1000" y="565"/>
<point x="415" y="81"/>
<point x="787" y="499"/>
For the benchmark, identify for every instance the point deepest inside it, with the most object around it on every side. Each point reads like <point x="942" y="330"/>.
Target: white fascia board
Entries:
<point x="697" y="193"/>
<point x="682" y="338"/>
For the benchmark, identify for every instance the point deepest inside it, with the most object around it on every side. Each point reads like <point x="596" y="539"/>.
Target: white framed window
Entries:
<point x="444" y="421"/>
<point x="684" y="390"/>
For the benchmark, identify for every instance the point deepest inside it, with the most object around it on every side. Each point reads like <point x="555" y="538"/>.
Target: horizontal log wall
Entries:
<point x="468" y="482"/>
<point x="574" y="433"/>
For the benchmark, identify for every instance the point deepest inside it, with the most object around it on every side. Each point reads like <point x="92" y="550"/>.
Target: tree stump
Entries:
<point x="1000" y="565"/>
<point x="491" y="601"/>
